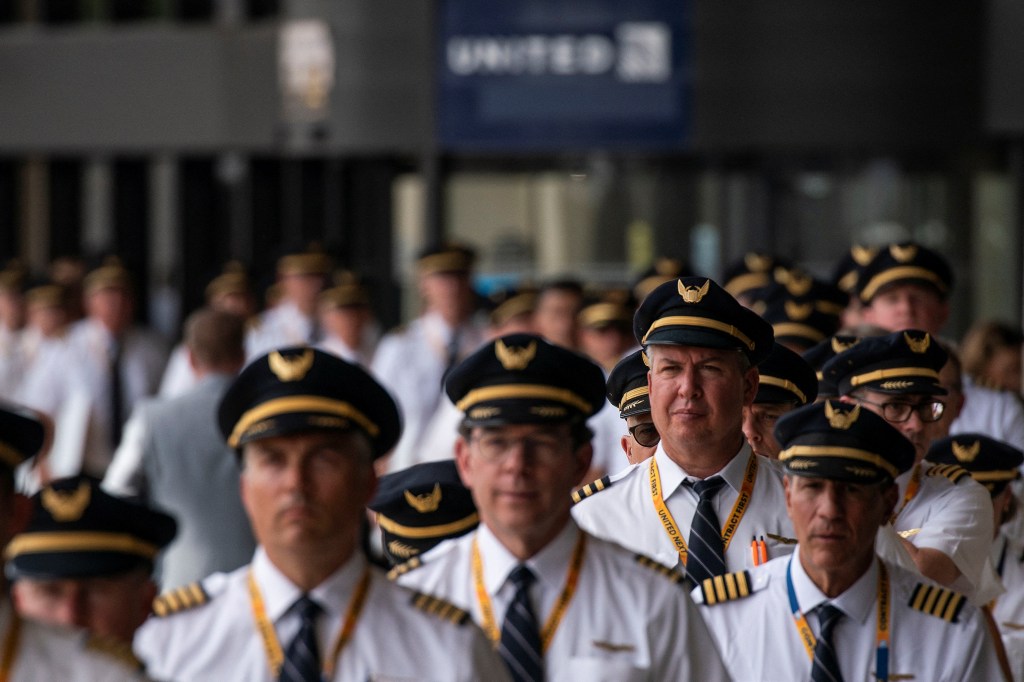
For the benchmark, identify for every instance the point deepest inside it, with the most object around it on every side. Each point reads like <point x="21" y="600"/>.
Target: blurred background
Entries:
<point x="582" y="138"/>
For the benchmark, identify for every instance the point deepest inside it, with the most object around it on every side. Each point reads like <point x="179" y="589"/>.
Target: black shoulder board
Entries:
<point x="404" y="567"/>
<point x="113" y="648"/>
<point x="440" y="608"/>
<point x="728" y="587"/>
<point x="591" y="488"/>
<point x="937" y="601"/>
<point x="670" y="573"/>
<point x="953" y="472"/>
<point x="180" y="599"/>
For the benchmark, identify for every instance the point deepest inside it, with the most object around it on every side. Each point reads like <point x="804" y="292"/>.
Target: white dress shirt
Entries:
<point x="759" y="641"/>
<point x="392" y="638"/>
<point x="624" y="512"/>
<point x="625" y="621"/>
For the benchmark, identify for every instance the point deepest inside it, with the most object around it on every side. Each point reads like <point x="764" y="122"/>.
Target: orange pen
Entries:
<point x="763" y="551"/>
<point x="754" y="551"/>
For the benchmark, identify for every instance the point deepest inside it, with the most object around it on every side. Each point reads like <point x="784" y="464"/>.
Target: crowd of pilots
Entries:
<point x="767" y="476"/>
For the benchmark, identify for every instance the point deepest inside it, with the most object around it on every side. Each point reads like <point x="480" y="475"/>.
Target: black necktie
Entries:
<point x="452" y="351"/>
<point x="302" y="659"/>
<point x="520" y="636"/>
<point x="116" y="394"/>
<point x="706" y="549"/>
<point x="825" y="667"/>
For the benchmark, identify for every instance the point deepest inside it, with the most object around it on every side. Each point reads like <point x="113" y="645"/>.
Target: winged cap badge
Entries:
<point x="918" y="345"/>
<point x="838" y="419"/>
<point x="67" y="505"/>
<point x="903" y="254"/>
<point x="514" y="358"/>
<point x="425" y="503"/>
<point x="796" y="283"/>
<point x="293" y="368"/>
<point x="757" y="262"/>
<point x="966" y="453"/>
<point x="798" y="311"/>
<point x="862" y="255"/>
<point x="693" y="294"/>
<point x="838" y="346"/>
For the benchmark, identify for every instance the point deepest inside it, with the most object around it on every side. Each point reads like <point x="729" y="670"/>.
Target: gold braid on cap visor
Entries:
<point x="895" y="274"/>
<point x="427" y="532"/>
<point x="695" y="321"/>
<point x="64" y="541"/>
<point x="895" y="372"/>
<point x="828" y="451"/>
<point x="786" y="384"/>
<point x="520" y="391"/>
<point x="635" y="393"/>
<point x="297" y="404"/>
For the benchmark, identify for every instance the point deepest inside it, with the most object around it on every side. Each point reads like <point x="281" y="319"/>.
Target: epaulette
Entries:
<point x="658" y="567"/>
<point x="180" y="599"/>
<point x="113" y="648"/>
<point x="404" y="567"/>
<point x="937" y="601"/>
<point x="591" y="488"/>
<point x="953" y="472"/>
<point x="728" y="587"/>
<point x="440" y="608"/>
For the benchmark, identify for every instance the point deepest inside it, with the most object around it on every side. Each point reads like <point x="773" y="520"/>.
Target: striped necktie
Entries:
<point x="302" y="659"/>
<point x="520" y="637"/>
<point x="825" y="667"/>
<point x="706" y="550"/>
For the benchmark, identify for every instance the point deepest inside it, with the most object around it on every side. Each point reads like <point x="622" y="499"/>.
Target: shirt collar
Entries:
<point x="856" y="602"/>
<point x="549" y="564"/>
<point x="672" y="475"/>
<point x="279" y="593"/>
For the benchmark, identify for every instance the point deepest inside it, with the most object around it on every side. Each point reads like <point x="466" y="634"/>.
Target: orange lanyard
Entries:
<point x="808" y="639"/>
<point x="547" y="633"/>
<point x="271" y="645"/>
<point x="10" y="647"/>
<point x="733" y="522"/>
<point x="912" y="488"/>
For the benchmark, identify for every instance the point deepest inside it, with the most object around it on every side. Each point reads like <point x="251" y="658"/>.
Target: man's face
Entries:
<point x="836" y="522"/>
<point x="112" y="307"/>
<point x="642" y="425"/>
<point x="108" y="606"/>
<point x="302" y="289"/>
<point x="521" y="476"/>
<point x="907" y="306"/>
<point x="759" y="426"/>
<point x="918" y="431"/>
<point x="306" y="492"/>
<point x="697" y="397"/>
<point x="447" y="293"/>
<point x="555" y="317"/>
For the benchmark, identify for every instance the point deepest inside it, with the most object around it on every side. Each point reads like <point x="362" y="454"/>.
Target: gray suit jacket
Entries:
<point x="174" y="456"/>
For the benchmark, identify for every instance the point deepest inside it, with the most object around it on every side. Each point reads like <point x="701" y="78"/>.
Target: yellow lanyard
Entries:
<point x="912" y="488"/>
<point x="10" y="647"/>
<point x="547" y="633"/>
<point x="272" y="647"/>
<point x="808" y="639"/>
<point x="733" y="522"/>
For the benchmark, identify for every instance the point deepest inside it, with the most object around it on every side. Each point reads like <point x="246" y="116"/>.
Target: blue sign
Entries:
<point x="556" y="75"/>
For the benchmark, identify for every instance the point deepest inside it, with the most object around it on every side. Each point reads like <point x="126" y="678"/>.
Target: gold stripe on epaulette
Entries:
<point x="114" y="648"/>
<point x="953" y="472"/>
<point x="590" y="489"/>
<point x="658" y="567"/>
<point x="723" y="588"/>
<point x="937" y="601"/>
<point x="440" y="608"/>
<point x="405" y="567"/>
<point x="180" y="599"/>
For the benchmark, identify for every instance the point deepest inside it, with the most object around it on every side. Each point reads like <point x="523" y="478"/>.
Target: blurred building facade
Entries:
<point x="183" y="133"/>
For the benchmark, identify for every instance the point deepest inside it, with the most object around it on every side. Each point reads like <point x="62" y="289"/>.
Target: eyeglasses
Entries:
<point x="645" y="434"/>
<point x="896" y="412"/>
<point x="546" y="449"/>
